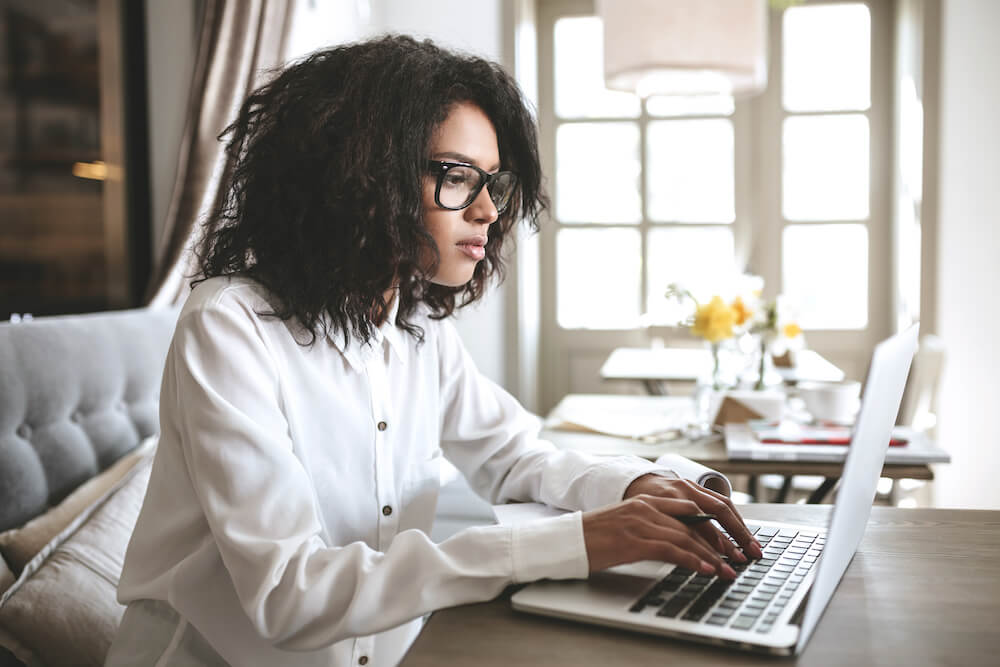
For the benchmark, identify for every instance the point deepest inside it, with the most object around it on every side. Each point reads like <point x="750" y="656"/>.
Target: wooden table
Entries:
<point x="654" y="367"/>
<point x="923" y="589"/>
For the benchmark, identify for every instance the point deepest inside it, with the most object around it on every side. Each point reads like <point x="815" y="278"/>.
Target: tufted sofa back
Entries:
<point x="76" y="393"/>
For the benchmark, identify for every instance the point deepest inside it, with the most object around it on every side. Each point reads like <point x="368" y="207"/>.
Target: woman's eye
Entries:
<point x="455" y="179"/>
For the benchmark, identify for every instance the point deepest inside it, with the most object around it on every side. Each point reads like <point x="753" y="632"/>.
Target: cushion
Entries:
<point x="62" y="610"/>
<point x="20" y="545"/>
<point x="6" y="576"/>
<point x="77" y="393"/>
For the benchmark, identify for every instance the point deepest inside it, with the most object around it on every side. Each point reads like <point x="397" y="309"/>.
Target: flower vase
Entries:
<point x="706" y="392"/>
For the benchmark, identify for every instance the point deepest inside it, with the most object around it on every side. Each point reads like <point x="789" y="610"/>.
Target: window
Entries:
<point x="634" y="181"/>
<point x="786" y="185"/>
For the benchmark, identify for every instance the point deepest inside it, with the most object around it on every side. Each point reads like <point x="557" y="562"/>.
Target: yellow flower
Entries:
<point x="791" y="330"/>
<point x="743" y="312"/>
<point x="714" y="321"/>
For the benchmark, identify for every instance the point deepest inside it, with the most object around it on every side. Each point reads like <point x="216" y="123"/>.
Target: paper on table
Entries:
<point x="601" y="416"/>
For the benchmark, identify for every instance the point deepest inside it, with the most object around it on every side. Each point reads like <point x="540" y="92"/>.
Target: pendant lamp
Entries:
<point x="685" y="47"/>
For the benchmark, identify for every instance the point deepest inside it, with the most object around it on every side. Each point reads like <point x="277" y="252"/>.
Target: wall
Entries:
<point x="968" y="247"/>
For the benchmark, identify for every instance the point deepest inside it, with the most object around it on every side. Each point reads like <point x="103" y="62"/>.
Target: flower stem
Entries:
<point x="760" y="371"/>
<point x="716" y="375"/>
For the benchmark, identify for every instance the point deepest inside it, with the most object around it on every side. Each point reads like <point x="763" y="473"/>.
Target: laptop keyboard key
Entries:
<point x="674" y="607"/>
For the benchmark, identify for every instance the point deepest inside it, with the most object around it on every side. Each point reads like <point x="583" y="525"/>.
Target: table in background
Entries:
<point x="923" y="589"/>
<point x="709" y="451"/>
<point x="656" y="366"/>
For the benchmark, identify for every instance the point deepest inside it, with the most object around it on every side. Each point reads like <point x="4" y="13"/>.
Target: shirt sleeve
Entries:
<point x="299" y="592"/>
<point x="494" y="442"/>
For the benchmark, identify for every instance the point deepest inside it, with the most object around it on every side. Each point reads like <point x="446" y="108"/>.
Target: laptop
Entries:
<point x="776" y="602"/>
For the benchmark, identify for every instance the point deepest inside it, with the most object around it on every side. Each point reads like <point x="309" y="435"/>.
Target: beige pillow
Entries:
<point x="62" y="610"/>
<point x="6" y="576"/>
<point x="19" y="545"/>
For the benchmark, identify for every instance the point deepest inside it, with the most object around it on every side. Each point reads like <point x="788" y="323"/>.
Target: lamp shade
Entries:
<point x="685" y="47"/>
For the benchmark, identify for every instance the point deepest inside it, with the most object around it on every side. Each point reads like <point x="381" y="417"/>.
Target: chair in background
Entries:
<point x="918" y="409"/>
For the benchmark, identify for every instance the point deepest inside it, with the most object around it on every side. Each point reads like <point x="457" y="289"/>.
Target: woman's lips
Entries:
<point x="474" y="248"/>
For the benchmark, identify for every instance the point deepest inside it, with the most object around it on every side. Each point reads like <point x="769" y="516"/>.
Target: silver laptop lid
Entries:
<point x="869" y="443"/>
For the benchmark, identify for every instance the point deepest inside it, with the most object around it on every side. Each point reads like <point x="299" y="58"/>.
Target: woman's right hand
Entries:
<point x="644" y="528"/>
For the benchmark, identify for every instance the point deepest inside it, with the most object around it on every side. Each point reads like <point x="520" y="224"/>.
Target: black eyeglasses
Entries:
<point x="459" y="184"/>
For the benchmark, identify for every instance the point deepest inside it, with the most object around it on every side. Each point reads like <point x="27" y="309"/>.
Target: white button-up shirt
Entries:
<point x="294" y="487"/>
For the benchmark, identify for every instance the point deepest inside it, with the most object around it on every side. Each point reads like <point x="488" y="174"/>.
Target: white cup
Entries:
<point x="836" y="402"/>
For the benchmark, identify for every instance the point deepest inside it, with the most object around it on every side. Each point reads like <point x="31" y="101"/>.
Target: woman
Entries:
<point x="314" y="383"/>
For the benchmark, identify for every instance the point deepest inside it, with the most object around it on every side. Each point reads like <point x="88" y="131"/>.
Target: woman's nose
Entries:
<point x="482" y="209"/>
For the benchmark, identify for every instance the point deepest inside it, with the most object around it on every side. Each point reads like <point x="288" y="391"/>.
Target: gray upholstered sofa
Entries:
<point x="78" y="420"/>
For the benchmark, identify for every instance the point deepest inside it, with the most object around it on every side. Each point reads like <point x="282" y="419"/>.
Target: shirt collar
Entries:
<point x="357" y="353"/>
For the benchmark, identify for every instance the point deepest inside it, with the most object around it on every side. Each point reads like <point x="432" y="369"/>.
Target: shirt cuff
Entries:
<point x="613" y="477"/>
<point x="550" y="549"/>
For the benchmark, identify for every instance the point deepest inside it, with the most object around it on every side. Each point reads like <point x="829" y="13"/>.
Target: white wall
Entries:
<point x="968" y="256"/>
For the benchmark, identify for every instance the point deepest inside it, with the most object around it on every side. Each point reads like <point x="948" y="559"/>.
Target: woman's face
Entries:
<point x="466" y="136"/>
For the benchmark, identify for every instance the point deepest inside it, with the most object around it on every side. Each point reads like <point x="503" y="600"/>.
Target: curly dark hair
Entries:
<point x="323" y="203"/>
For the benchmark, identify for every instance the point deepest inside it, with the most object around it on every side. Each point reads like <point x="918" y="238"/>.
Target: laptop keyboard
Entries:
<point x="755" y="599"/>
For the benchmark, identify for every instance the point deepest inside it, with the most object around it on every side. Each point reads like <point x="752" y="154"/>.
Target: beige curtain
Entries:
<point x="240" y="40"/>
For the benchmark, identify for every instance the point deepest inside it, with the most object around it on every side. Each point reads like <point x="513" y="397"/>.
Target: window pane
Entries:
<point x="579" y="73"/>
<point x="598" y="299"/>
<point x="690" y="176"/>
<point x="597" y="172"/>
<point x="825" y="274"/>
<point x="825" y="168"/>
<point x="690" y="105"/>
<point x="826" y="57"/>
<point x="699" y="258"/>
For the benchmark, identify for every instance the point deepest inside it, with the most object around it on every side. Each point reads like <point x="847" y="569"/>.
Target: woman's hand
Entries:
<point x="643" y="527"/>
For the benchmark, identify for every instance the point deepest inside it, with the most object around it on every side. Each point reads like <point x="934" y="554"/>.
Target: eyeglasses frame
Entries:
<point x="440" y="167"/>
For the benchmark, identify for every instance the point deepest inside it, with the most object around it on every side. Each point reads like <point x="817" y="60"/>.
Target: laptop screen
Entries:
<point x="883" y="392"/>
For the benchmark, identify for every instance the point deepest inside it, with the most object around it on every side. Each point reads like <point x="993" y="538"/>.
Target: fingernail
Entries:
<point x="739" y="557"/>
<point x="706" y="568"/>
<point x="728" y="571"/>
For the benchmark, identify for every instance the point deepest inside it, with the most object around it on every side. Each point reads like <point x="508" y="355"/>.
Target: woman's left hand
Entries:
<point x="708" y="501"/>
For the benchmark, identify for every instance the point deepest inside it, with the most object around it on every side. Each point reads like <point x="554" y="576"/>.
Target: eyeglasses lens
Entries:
<point x="460" y="185"/>
<point x="501" y="189"/>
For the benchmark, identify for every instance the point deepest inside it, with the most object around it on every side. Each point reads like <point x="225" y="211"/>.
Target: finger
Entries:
<point x="726" y="515"/>
<point x="678" y="507"/>
<point x="671" y="507"/>
<point x="686" y="541"/>
<point x="683" y="537"/>
<point x="723" y="544"/>
<point x="670" y="553"/>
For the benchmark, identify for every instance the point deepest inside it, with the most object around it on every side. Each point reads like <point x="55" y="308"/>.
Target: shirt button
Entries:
<point x="386" y="510"/>
<point x="382" y="426"/>
<point x="363" y="660"/>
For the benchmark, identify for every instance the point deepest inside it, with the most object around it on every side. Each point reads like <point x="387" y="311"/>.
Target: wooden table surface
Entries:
<point x="923" y="589"/>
